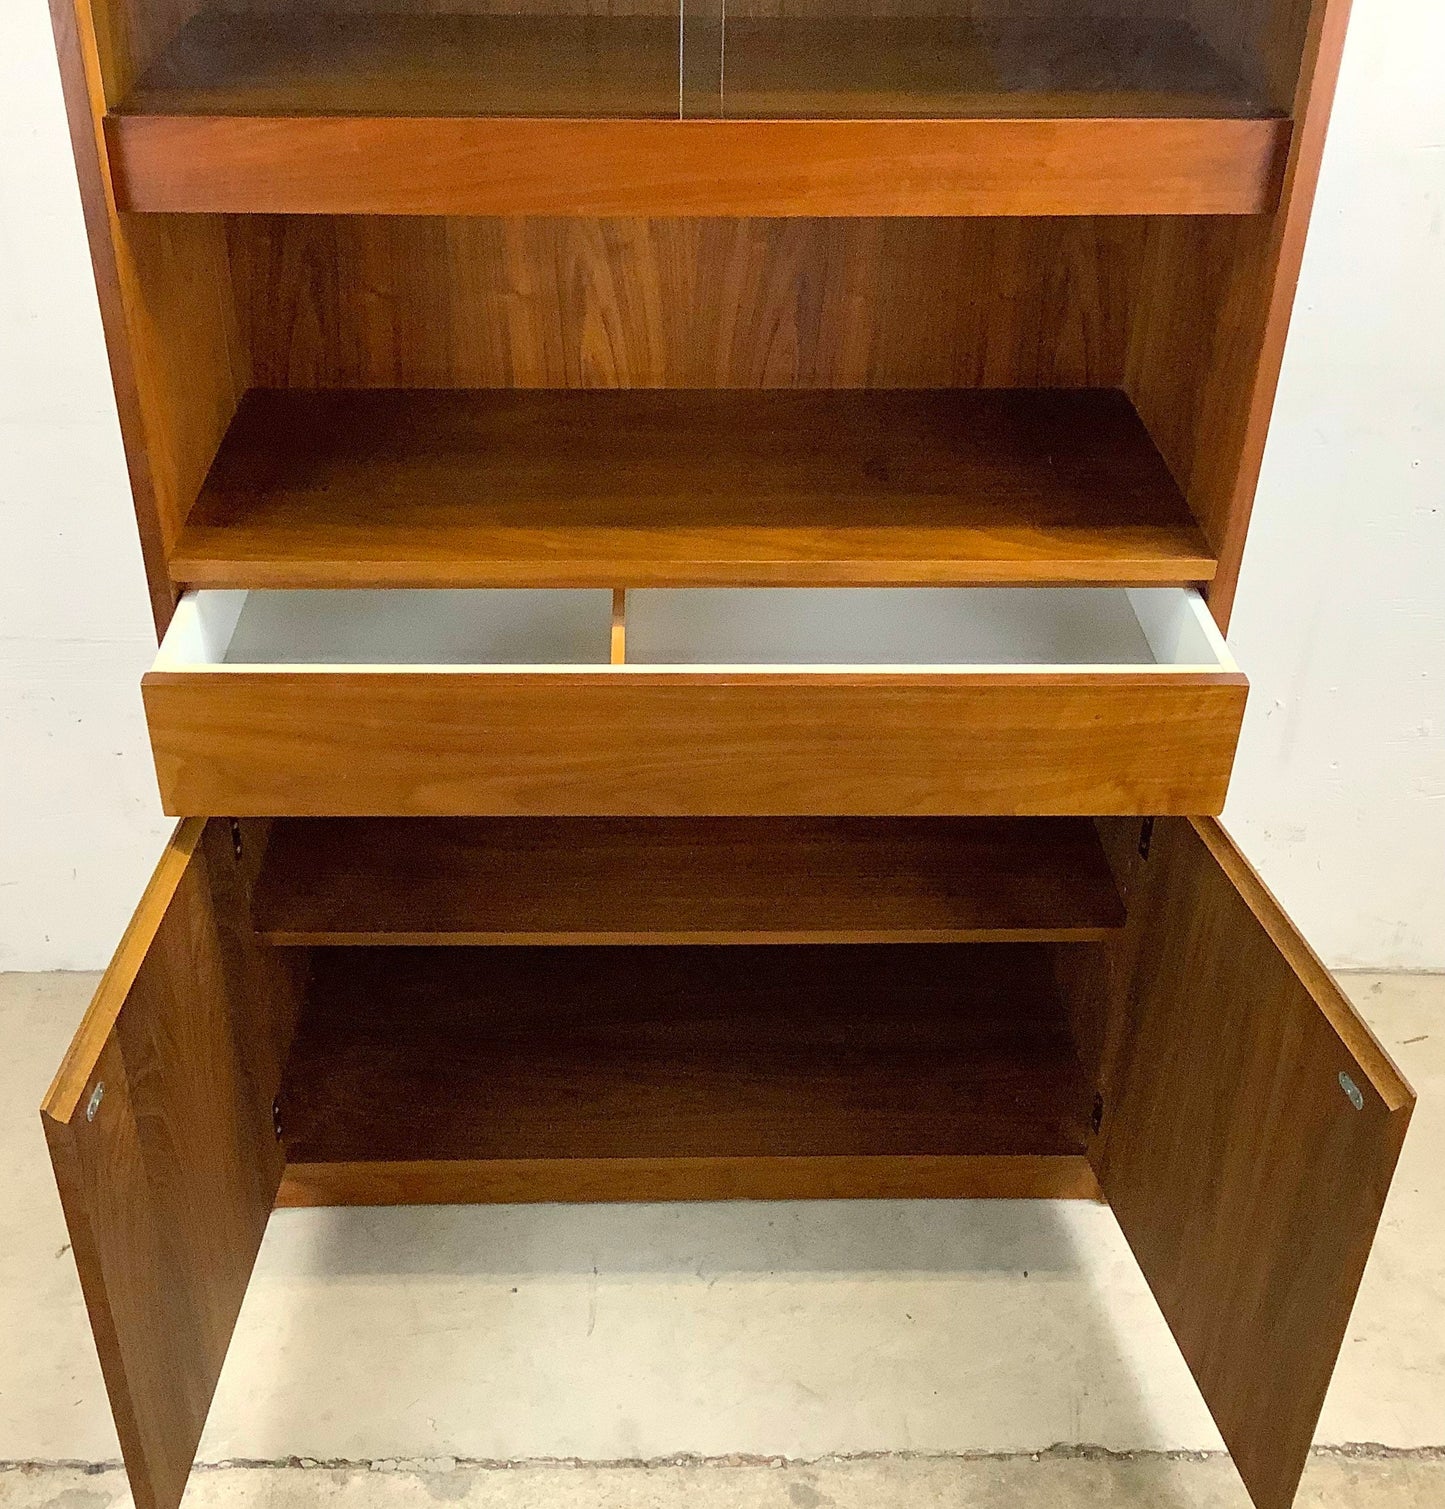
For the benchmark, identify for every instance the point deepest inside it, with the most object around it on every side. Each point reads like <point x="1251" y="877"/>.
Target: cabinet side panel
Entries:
<point x="383" y="301"/>
<point x="177" y="364"/>
<point x="1209" y="327"/>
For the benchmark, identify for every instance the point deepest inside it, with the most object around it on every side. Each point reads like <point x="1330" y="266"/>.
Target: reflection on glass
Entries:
<point x="713" y="58"/>
<point x="420" y="57"/>
<point x="921" y="58"/>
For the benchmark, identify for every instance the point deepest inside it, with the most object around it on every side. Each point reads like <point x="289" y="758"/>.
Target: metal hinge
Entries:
<point x="1096" y="1116"/>
<point x="276" y="1118"/>
<point x="1146" y="837"/>
<point x="236" y="837"/>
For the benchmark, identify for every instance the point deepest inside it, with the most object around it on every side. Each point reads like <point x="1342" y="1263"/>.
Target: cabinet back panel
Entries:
<point x="333" y="301"/>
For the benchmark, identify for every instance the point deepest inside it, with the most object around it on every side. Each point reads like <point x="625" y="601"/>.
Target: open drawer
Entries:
<point x="1155" y="1025"/>
<point x="1012" y="701"/>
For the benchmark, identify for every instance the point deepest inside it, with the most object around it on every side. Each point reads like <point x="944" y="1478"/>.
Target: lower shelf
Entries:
<point x="683" y="1073"/>
<point x="598" y="880"/>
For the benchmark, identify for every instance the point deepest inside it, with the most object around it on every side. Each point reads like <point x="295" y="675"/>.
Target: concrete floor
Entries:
<point x="878" y="1353"/>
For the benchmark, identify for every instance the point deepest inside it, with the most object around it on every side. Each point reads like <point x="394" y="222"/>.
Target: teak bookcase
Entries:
<point x="692" y="550"/>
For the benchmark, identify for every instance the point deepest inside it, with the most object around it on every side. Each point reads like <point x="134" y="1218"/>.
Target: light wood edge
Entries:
<point x="283" y="937"/>
<point x="618" y="649"/>
<point x="589" y="1180"/>
<point x="73" y="1076"/>
<point x="1361" y="1043"/>
<point x="202" y="569"/>
<point x="1314" y="100"/>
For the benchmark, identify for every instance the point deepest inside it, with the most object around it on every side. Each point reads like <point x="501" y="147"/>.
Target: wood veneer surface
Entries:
<point x="1251" y="1127"/>
<point x="160" y="1131"/>
<point x="595" y="488"/>
<point x="444" y="744"/>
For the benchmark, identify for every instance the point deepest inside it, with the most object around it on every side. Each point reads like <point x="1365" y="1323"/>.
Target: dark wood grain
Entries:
<point x="512" y="1181"/>
<point x="699" y="880"/>
<point x="454" y="744"/>
<point x="159" y="1125"/>
<point x="708" y="1053"/>
<point x="1247" y="1183"/>
<point x="571" y="489"/>
<point x="452" y="165"/>
<point x="395" y="301"/>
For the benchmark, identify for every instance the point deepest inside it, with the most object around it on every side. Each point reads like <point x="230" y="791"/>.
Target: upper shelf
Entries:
<point x="577" y="114"/>
<point x="641" y="488"/>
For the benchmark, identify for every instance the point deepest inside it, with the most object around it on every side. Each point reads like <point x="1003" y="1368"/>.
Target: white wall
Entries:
<point x="1340" y="790"/>
<point x="80" y="824"/>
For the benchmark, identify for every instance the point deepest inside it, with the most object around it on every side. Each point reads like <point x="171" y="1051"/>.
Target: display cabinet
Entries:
<point x="692" y="549"/>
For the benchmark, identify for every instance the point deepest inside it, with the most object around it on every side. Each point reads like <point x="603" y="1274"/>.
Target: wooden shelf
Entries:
<point x="548" y="115"/>
<point x="700" y="880"/>
<point x="732" y="1062"/>
<point x="677" y="488"/>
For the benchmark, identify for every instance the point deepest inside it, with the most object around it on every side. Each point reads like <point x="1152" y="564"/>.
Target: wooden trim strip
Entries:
<point x="618" y="654"/>
<point x="543" y="1180"/>
<point x="407" y="165"/>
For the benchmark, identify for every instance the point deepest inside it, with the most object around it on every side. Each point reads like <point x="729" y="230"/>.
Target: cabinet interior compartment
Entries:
<point x="839" y="1007"/>
<point x="609" y="1063"/>
<point x="375" y="401"/>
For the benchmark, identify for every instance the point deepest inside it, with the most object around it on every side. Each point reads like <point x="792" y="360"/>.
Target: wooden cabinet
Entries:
<point x="692" y="552"/>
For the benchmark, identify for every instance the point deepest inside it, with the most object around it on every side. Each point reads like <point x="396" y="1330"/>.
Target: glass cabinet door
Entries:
<point x="587" y="58"/>
<point x="879" y="59"/>
<point x="711" y="59"/>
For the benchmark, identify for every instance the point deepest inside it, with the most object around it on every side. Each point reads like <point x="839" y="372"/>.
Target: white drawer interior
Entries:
<point x="920" y="626"/>
<point x="696" y="629"/>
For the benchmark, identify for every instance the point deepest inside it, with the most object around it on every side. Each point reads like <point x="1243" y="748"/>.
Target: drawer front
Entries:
<point x="694" y="702"/>
<point x="437" y="744"/>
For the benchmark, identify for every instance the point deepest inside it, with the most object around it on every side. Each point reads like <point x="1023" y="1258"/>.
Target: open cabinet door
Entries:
<point x="1251" y="1127"/>
<point x="161" y="1132"/>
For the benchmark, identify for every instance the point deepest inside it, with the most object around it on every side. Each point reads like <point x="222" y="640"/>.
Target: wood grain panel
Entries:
<point x="401" y="488"/>
<point x="1247" y="1182"/>
<point x="413" y="165"/>
<point x="461" y="1181"/>
<point x="457" y="744"/>
<point x="409" y="1055"/>
<point x="698" y="880"/>
<point x="576" y="303"/>
<point x="159" y="1125"/>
